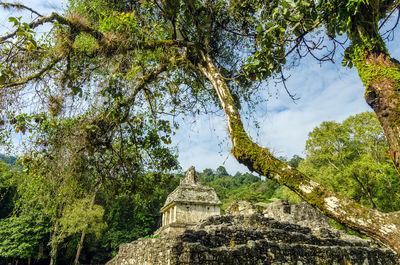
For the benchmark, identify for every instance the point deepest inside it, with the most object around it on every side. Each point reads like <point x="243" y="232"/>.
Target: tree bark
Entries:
<point x="365" y="191"/>
<point x="78" y="251"/>
<point x="382" y="226"/>
<point x="53" y="244"/>
<point x="383" y="95"/>
<point x="83" y="234"/>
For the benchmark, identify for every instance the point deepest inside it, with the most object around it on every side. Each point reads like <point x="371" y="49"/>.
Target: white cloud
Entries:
<point x="327" y="93"/>
<point x="329" y="96"/>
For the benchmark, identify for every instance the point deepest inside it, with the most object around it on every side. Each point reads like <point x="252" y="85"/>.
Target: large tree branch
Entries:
<point x="365" y="191"/>
<point x="382" y="226"/>
<point x="32" y="77"/>
<point x="19" y="6"/>
<point x="54" y="17"/>
<point x="78" y="27"/>
<point x="129" y="101"/>
<point x="381" y="77"/>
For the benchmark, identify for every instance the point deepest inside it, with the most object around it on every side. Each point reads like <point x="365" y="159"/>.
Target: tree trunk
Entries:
<point x="53" y="244"/>
<point x="80" y="246"/>
<point x="382" y="226"/>
<point x="365" y="191"/>
<point x="381" y="77"/>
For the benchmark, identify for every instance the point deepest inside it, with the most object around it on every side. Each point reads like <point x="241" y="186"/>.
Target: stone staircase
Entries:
<point x="253" y="239"/>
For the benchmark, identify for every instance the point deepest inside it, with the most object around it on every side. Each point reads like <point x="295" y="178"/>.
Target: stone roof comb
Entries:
<point x="190" y="178"/>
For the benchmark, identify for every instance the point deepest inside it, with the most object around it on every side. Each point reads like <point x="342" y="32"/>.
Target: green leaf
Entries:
<point x="3" y="78"/>
<point x="15" y="20"/>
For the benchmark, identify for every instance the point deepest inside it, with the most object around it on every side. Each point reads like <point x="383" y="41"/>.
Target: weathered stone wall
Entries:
<point x="189" y="203"/>
<point x="189" y="213"/>
<point x="251" y="239"/>
<point x="148" y="252"/>
<point x="299" y="213"/>
<point x="179" y="217"/>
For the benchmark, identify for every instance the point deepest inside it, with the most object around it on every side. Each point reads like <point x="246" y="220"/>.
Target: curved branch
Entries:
<point x="54" y="17"/>
<point x="32" y="77"/>
<point x="121" y="44"/>
<point x="19" y="6"/>
<point x="283" y="80"/>
<point x="396" y="6"/>
<point x="382" y="226"/>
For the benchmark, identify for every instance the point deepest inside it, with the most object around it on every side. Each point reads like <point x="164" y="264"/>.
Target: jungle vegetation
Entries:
<point x="96" y="95"/>
<point x="115" y="217"/>
<point x="349" y="158"/>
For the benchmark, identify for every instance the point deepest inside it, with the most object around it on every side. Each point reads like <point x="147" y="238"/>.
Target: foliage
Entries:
<point x="104" y="48"/>
<point x="351" y="158"/>
<point x="82" y="216"/>
<point x="128" y="216"/>
<point x="24" y="236"/>
<point x="68" y="166"/>
<point x="7" y="189"/>
<point x="238" y="187"/>
<point x="114" y="74"/>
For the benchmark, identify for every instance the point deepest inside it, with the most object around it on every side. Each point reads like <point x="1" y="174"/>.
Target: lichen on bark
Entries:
<point x="380" y="75"/>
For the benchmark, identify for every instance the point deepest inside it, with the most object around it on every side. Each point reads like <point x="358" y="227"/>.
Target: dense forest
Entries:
<point x="125" y="217"/>
<point x="348" y="156"/>
<point x="93" y="94"/>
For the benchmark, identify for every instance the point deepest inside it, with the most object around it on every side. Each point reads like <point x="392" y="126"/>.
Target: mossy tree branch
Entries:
<point x="379" y="73"/>
<point x="19" y="6"/>
<point x="383" y="226"/>
<point x="35" y="76"/>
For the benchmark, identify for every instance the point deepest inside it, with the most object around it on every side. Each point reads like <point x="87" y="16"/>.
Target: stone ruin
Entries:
<point x="281" y="210"/>
<point x="188" y="204"/>
<point x="296" y="213"/>
<point x="279" y="233"/>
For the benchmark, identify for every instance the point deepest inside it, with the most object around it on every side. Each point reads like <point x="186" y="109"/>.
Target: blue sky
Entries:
<point x="327" y="92"/>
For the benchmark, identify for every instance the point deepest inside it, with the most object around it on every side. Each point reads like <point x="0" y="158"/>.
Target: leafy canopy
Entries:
<point x="351" y="158"/>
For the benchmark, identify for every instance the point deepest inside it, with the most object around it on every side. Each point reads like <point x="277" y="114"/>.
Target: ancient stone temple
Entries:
<point x="189" y="203"/>
<point x="252" y="239"/>
<point x="279" y="233"/>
